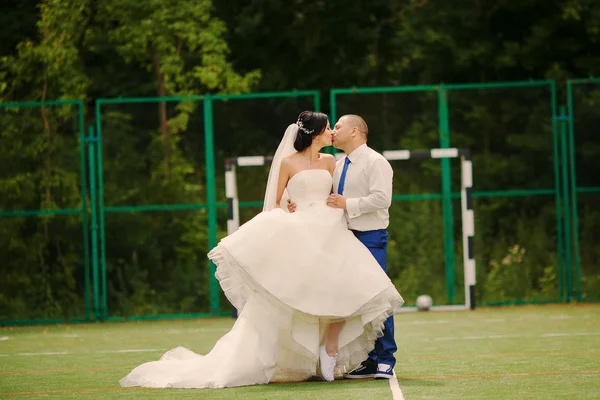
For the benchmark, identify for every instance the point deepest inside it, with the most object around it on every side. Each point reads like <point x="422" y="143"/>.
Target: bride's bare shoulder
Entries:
<point x="290" y="159"/>
<point x="288" y="162"/>
<point x="328" y="158"/>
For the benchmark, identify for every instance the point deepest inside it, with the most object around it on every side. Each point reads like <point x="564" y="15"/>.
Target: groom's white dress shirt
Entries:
<point x="367" y="188"/>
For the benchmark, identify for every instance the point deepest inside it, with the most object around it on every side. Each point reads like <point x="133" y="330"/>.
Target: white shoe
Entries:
<point x="327" y="364"/>
<point x="384" y="371"/>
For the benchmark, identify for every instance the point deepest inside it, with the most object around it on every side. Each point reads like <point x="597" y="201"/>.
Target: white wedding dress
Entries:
<point x="289" y="275"/>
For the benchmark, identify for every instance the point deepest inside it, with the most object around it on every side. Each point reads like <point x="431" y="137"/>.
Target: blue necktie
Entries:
<point x="343" y="176"/>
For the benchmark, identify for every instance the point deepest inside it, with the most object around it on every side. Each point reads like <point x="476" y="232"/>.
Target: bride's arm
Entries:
<point x="284" y="177"/>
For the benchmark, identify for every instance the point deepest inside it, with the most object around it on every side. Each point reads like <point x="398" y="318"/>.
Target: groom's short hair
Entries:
<point x="359" y="122"/>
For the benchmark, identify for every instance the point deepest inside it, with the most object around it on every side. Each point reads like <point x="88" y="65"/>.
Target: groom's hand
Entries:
<point x="336" y="201"/>
<point x="291" y="206"/>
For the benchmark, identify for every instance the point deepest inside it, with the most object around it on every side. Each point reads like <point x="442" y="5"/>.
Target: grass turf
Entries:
<point x="537" y="352"/>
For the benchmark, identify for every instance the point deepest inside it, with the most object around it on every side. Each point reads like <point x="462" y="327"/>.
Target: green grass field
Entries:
<point x="541" y="352"/>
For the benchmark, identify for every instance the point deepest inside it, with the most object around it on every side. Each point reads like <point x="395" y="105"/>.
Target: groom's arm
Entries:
<point x="380" y="175"/>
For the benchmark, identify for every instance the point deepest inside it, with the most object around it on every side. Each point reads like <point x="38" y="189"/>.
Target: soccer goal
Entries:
<point x="468" y="225"/>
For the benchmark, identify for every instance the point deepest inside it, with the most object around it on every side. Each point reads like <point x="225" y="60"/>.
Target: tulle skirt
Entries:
<point x="289" y="275"/>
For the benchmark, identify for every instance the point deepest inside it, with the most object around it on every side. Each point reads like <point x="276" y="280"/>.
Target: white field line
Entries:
<point x="395" y="387"/>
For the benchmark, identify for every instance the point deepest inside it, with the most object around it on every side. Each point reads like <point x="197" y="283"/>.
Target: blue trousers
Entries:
<point x="385" y="347"/>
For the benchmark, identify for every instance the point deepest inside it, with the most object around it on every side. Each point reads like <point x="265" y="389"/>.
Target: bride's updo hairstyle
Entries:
<point x="310" y="124"/>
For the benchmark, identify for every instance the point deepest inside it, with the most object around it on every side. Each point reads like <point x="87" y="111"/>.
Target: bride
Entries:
<point x="312" y="298"/>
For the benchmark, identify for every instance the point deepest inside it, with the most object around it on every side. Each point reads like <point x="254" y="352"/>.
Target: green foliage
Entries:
<point x="156" y="263"/>
<point x="589" y="220"/>
<point x="415" y="250"/>
<point x="50" y="67"/>
<point x="181" y="38"/>
<point x="154" y="153"/>
<point x="41" y="257"/>
<point x="39" y="148"/>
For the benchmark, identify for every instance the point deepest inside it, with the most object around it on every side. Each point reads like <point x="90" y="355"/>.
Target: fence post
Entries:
<point x="84" y="216"/>
<point x="332" y="117"/>
<point x="444" y="129"/>
<point x="101" y="221"/>
<point x="557" y="186"/>
<point x="211" y="199"/>
<point x="573" y="181"/>
<point x="91" y="140"/>
<point x="562" y="118"/>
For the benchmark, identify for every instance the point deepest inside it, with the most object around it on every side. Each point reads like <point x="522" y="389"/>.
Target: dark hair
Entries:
<point x="311" y="124"/>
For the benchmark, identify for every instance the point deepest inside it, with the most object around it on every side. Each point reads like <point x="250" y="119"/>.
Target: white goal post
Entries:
<point x="468" y="224"/>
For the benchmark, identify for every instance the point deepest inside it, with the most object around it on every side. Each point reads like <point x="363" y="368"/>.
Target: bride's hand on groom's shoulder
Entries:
<point x="291" y="206"/>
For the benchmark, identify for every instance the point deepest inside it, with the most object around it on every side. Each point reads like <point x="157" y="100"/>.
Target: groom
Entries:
<point x="362" y="184"/>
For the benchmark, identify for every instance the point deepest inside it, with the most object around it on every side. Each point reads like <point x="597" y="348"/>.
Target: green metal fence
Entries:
<point x="583" y="97"/>
<point x="43" y="184"/>
<point x="175" y="204"/>
<point x="112" y="120"/>
<point x="455" y="112"/>
<point x="211" y="124"/>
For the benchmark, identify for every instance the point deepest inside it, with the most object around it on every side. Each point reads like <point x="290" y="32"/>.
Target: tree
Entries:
<point x="39" y="152"/>
<point x="181" y="42"/>
<point x="153" y="153"/>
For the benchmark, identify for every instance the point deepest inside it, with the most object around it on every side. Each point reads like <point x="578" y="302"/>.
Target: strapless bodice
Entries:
<point x="310" y="186"/>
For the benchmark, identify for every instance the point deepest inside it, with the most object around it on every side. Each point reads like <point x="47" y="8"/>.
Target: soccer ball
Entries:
<point x="424" y="302"/>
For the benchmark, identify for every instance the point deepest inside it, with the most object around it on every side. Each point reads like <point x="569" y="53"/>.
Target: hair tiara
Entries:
<point x="303" y="129"/>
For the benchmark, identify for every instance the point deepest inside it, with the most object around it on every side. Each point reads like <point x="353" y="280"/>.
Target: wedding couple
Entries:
<point x="307" y="274"/>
